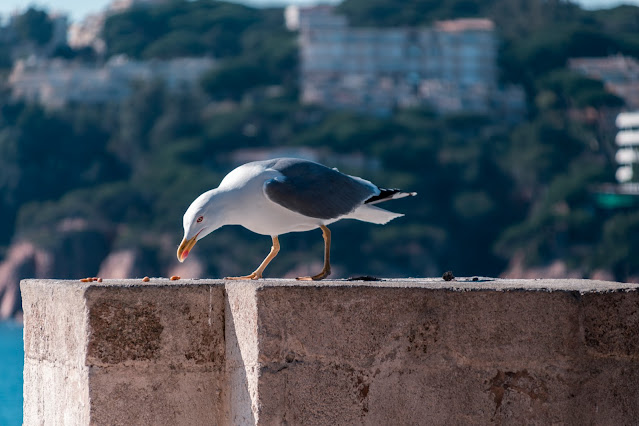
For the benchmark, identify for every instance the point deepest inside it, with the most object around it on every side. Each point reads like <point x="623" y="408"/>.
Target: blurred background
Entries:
<point x="514" y="120"/>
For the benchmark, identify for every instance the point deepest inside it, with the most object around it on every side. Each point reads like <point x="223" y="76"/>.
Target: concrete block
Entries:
<point x="124" y="352"/>
<point x="426" y="352"/>
<point x="281" y="352"/>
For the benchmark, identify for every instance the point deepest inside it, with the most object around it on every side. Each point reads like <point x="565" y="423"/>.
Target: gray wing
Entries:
<point x="315" y="190"/>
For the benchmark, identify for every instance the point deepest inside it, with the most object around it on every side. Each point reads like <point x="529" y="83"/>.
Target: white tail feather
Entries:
<point x="372" y="214"/>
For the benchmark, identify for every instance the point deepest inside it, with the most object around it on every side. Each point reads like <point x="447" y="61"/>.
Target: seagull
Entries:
<point x="282" y="195"/>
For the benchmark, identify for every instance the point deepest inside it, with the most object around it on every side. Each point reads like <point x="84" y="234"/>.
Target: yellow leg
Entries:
<point x="257" y="274"/>
<point x="326" y="233"/>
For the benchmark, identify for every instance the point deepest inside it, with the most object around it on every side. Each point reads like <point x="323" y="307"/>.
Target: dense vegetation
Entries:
<point x="488" y="190"/>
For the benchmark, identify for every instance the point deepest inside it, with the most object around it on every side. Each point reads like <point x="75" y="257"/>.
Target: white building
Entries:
<point x="620" y="75"/>
<point x="451" y="66"/>
<point x="627" y="140"/>
<point x="55" y="83"/>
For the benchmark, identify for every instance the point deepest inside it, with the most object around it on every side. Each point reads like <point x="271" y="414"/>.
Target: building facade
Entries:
<point x="56" y="83"/>
<point x="450" y="66"/>
<point x="620" y="75"/>
<point x="627" y="140"/>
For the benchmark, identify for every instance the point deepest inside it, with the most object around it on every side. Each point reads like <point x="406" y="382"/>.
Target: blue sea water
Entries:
<point x="11" y="365"/>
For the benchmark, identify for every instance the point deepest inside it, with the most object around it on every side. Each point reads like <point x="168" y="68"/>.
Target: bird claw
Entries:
<point x="317" y="277"/>
<point x="253" y="276"/>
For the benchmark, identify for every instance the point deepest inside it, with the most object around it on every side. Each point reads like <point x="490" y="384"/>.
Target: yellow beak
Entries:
<point x="185" y="248"/>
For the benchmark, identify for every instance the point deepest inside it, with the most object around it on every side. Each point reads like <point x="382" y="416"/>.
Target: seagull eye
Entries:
<point x="200" y="219"/>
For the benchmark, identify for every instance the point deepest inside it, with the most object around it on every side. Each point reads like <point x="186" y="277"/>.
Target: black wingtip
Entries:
<point x="389" y="194"/>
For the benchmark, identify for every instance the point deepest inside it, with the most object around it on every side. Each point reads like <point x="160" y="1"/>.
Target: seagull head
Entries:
<point x="201" y="218"/>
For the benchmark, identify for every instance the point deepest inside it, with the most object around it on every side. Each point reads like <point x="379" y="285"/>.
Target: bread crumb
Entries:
<point x="175" y="277"/>
<point x="99" y="279"/>
<point x="146" y="279"/>
<point x="86" y="280"/>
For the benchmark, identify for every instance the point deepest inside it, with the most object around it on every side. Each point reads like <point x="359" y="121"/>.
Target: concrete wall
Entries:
<point x="276" y="352"/>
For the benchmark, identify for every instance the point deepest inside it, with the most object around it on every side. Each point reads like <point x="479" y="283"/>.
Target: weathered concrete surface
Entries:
<point x="283" y="352"/>
<point x="55" y="333"/>
<point x="124" y="352"/>
<point x="507" y="352"/>
<point x="157" y="347"/>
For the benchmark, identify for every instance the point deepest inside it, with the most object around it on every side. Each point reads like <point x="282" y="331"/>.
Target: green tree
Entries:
<point x="34" y="25"/>
<point x="179" y="28"/>
<point x="571" y="90"/>
<point x="234" y="78"/>
<point x="619" y="242"/>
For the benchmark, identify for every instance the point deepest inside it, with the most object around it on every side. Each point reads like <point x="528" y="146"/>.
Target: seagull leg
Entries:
<point x="326" y="233"/>
<point x="257" y="274"/>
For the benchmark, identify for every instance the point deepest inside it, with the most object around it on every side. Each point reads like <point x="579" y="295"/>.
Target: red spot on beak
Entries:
<point x="185" y="254"/>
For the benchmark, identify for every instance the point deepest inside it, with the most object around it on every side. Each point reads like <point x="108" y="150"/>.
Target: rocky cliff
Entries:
<point x="23" y="260"/>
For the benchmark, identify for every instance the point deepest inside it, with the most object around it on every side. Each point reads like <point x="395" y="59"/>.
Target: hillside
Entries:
<point x="83" y="183"/>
